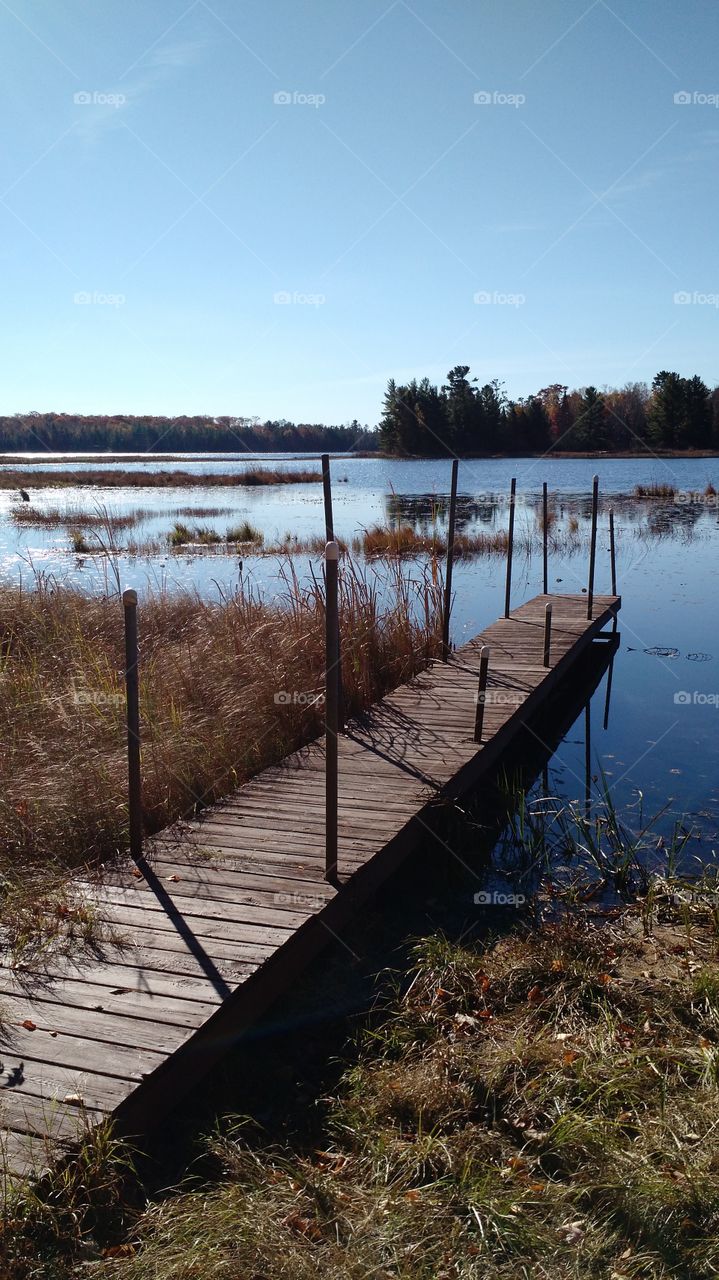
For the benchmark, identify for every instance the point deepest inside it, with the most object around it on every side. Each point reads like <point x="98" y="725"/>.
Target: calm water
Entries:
<point x="662" y="741"/>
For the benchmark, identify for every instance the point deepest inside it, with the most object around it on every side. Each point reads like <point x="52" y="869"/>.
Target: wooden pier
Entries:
<point x="224" y="911"/>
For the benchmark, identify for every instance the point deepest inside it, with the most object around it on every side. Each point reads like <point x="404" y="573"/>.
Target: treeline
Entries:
<point x="463" y="417"/>
<point x="125" y="433"/>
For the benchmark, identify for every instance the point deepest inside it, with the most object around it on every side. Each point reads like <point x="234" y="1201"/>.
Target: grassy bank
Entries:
<point x="542" y="1106"/>
<point x="211" y="679"/>
<point x="114" y="478"/>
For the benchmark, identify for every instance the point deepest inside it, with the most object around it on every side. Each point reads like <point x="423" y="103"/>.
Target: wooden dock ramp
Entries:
<point x="227" y="909"/>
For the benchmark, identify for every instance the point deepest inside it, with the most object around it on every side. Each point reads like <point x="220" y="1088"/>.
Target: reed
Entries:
<point x="217" y="699"/>
<point x="114" y="478"/>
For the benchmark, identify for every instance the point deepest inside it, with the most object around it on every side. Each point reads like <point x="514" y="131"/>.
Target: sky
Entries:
<point x="265" y="207"/>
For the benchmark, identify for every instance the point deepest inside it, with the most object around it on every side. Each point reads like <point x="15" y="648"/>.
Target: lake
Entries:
<point x="662" y="739"/>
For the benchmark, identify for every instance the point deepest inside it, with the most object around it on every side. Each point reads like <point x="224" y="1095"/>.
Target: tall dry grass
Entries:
<point x="212" y="680"/>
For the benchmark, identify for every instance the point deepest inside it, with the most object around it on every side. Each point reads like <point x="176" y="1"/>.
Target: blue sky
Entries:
<point x="270" y="207"/>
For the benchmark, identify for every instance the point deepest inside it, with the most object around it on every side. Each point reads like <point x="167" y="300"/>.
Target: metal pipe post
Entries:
<point x="132" y="694"/>
<point x="331" y="707"/>
<point x="450" y="561"/>
<point x="510" y="546"/>
<point x="593" y="545"/>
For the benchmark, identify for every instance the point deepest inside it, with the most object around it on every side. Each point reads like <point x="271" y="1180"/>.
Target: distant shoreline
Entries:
<point x="58" y="457"/>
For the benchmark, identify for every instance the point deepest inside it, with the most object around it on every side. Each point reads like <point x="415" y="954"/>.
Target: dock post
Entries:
<point x="327" y="494"/>
<point x="547" y="633"/>
<point x="331" y="706"/>
<point x="593" y="545"/>
<point x="481" y="692"/>
<point x="612" y="552"/>
<point x="330" y="537"/>
<point x="545" y="536"/>
<point x="132" y="695"/>
<point x="510" y="545"/>
<point x="450" y="561"/>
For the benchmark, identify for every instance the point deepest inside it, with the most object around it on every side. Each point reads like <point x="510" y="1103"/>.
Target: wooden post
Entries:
<point x="481" y="692"/>
<point x="547" y="633"/>
<point x="593" y="545"/>
<point x="132" y="694"/>
<point x="545" y="536"/>
<point x="331" y="706"/>
<point x="450" y="561"/>
<point x="612" y="553"/>
<point x="327" y="492"/>
<point x="510" y="545"/>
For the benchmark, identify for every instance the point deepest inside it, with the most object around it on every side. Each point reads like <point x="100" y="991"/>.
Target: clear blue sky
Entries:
<point x="182" y="199"/>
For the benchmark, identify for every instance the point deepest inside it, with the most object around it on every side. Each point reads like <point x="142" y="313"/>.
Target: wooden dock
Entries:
<point x="228" y="908"/>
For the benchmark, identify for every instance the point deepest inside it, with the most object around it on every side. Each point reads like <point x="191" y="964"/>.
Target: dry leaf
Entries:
<point x="535" y="993"/>
<point x="569" y="1056"/>
<point x="29" y="1025"/>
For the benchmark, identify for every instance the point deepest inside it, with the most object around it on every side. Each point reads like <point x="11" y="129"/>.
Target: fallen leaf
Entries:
<point x="136" y="872"/>
<point x="174" y="878"/>
<point x="569" y="1056"/>
<point x="29" y="1025"/>
<point x="535" y="993"/>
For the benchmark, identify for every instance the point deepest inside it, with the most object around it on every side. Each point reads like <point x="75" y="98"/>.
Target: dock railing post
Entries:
<point x="510" y="546"/>
<point x="450" y="561"/>
<point x="132" y="695"/>
<point x="331" y="706"/>
<point x="481" y="693"/>
<point x="593" y="545"/>
<point x="545" y="537"/>
<point x="612" y="552"/>
<point x="330" y="537"/>
<point x="327" y="494"/>
<point x="547" y="633"/>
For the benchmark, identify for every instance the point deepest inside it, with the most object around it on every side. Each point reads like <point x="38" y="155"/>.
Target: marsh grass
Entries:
<point x="210" y="673"/>
<point x="115" y="478"/>
<point x="74" y="517"/>
<point x="542" y="1105"/>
